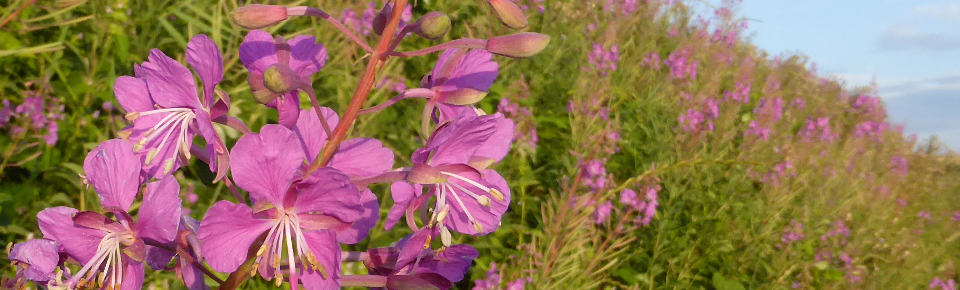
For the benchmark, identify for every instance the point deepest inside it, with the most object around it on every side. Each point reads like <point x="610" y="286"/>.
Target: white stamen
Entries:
<point x="471" y="182"/>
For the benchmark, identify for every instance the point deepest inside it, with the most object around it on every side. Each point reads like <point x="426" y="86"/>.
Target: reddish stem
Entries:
<point x="314" y="12"/>
<point x="363" y="90"/>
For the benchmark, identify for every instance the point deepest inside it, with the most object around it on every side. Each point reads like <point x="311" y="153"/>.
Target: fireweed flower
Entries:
<point x="279" y="69"/>
<point x="357" y="158"/>
<point x="35" y="260"/>
<point x="469" y="198"/>
<point x="450" y="262"/>
<point x="491" y="282"/>
<point x="460" y="77"/>
<point x="943" y="285"/>
<point x="602" y="212"/>
<point x="112" y="252"/>
<point x="300" y="217"/>
<point x="161" y="100"/>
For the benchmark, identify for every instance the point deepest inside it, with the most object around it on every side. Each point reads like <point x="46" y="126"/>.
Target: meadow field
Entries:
<point x="651" y="146"/>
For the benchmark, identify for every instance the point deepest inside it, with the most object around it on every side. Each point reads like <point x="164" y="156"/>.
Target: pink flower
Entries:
<point x="161" y="100"/>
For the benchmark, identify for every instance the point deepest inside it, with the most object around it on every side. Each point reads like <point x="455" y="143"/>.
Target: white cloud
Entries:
<point x="942" y="11"/>
<point x="907" y="36"/>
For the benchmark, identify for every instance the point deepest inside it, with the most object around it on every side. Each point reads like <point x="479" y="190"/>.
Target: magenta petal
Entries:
<point x="204" y="56"/>
<point x="56" y="223"/>
<point x="210" y="136"/>
<point x="114" y="171"/>
<point x="413" y="245"/>
<point x="132" y="94"/>
<point x="288" y="109"/>
<point x="158" y="258"/>
<point x="368" y="219"/>
<point x="226" y="233"/>
<point x="142" y="126"/>
<point x="452" y="263"/>
<point x="329" y="192"/>
<point x="457" y="142"/>
<point x="497" y="145"/>
<point x="310" y="130"/>
<point x="192" y="276"/>
<point x="132" y="274"/>
<point x="159" y="216"/>
<point x="402" y="192"/>
<point x="475" y="70"/>
<point x="487" y="216"/>
<point x="170" y="83"/>
<point x="306" y="56"/>
<point x="325" y="248"/>
<point x="258" y="51"/>
<point x="446" y="112"/>
<point x="266" y="163"/>
<point x="362" y="157"/>
<point x="42" y="256"/>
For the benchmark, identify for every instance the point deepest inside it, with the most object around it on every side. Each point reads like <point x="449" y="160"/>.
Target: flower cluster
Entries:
<point x="36" y="117"/>
<point x="525" y="130"/>
<point x="791" y="234"/>
<point x="871" y="129"/>
<point x="603" y="61"/>
<point x="817" y="128"/>
<point x="682" y="64"/>
<point x="307" y="186"/>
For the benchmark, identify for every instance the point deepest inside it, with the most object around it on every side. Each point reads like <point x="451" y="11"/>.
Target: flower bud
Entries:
<point x="509" y="13"/>
<point x="256" y="16"/>
<point x="279" y="78"/>
<point x="520" y="45"/>
<point x="433" y="25"/>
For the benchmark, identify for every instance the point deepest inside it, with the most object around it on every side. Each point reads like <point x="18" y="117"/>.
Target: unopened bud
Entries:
<point x="509" y="13"/>
<point x="256" y="16"/>
<point x="279" y="78"/>
<point x="433" y="25"/>
<point x="525" y="44"/>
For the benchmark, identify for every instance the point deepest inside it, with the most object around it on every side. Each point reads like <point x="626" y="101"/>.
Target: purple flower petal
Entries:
<point x="413" y="246"/>
<point x="204" y="56"/>
<point x="457" y="142"/>
<point x="310" y="130"/>
<point x="210" y="136"/>
<point x="402" y="193"/>
<point x="132" y="94"/>
<point x="141" y="127"/>
<point x="362" y="157"/>
<point x="455" y="70"/>
<point x="368" y="219"/>
<point x="56" y="223"/>
<point x="159" y="216"/>
<point x="324" y="247"/>
<point x="288" y="109"/>
<point x="158" y="258"/>
<point x="306" y="56"/>
<point x="170" y="83"/>
<point x="329" y="192"/>
<point x="191" y="276"/>
<point x="496" y="146"/>
<point x="114" y="171"/>
<point x="258" y="51"/>
<point x="446" y="112"/>
<point x="452" y="263"/>
<point x="226" y="233"/>
<point x="266" y="163"/>
<point x="40" y="254"/>
<point x="132" y="275"/>
<point x="487" y="216"/>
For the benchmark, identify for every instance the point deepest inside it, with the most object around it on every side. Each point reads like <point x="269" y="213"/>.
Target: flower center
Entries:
<point x="286" y="229"/>
<point x="441" y="209"/>
<point x="106" y="262"/>
<point x="171" y="130"/>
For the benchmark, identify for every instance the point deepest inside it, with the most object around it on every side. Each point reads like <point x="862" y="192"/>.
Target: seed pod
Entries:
<point x="256" y="16"/>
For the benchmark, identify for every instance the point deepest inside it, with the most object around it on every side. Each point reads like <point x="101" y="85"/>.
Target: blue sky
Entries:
<point x="909" y="49"/>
